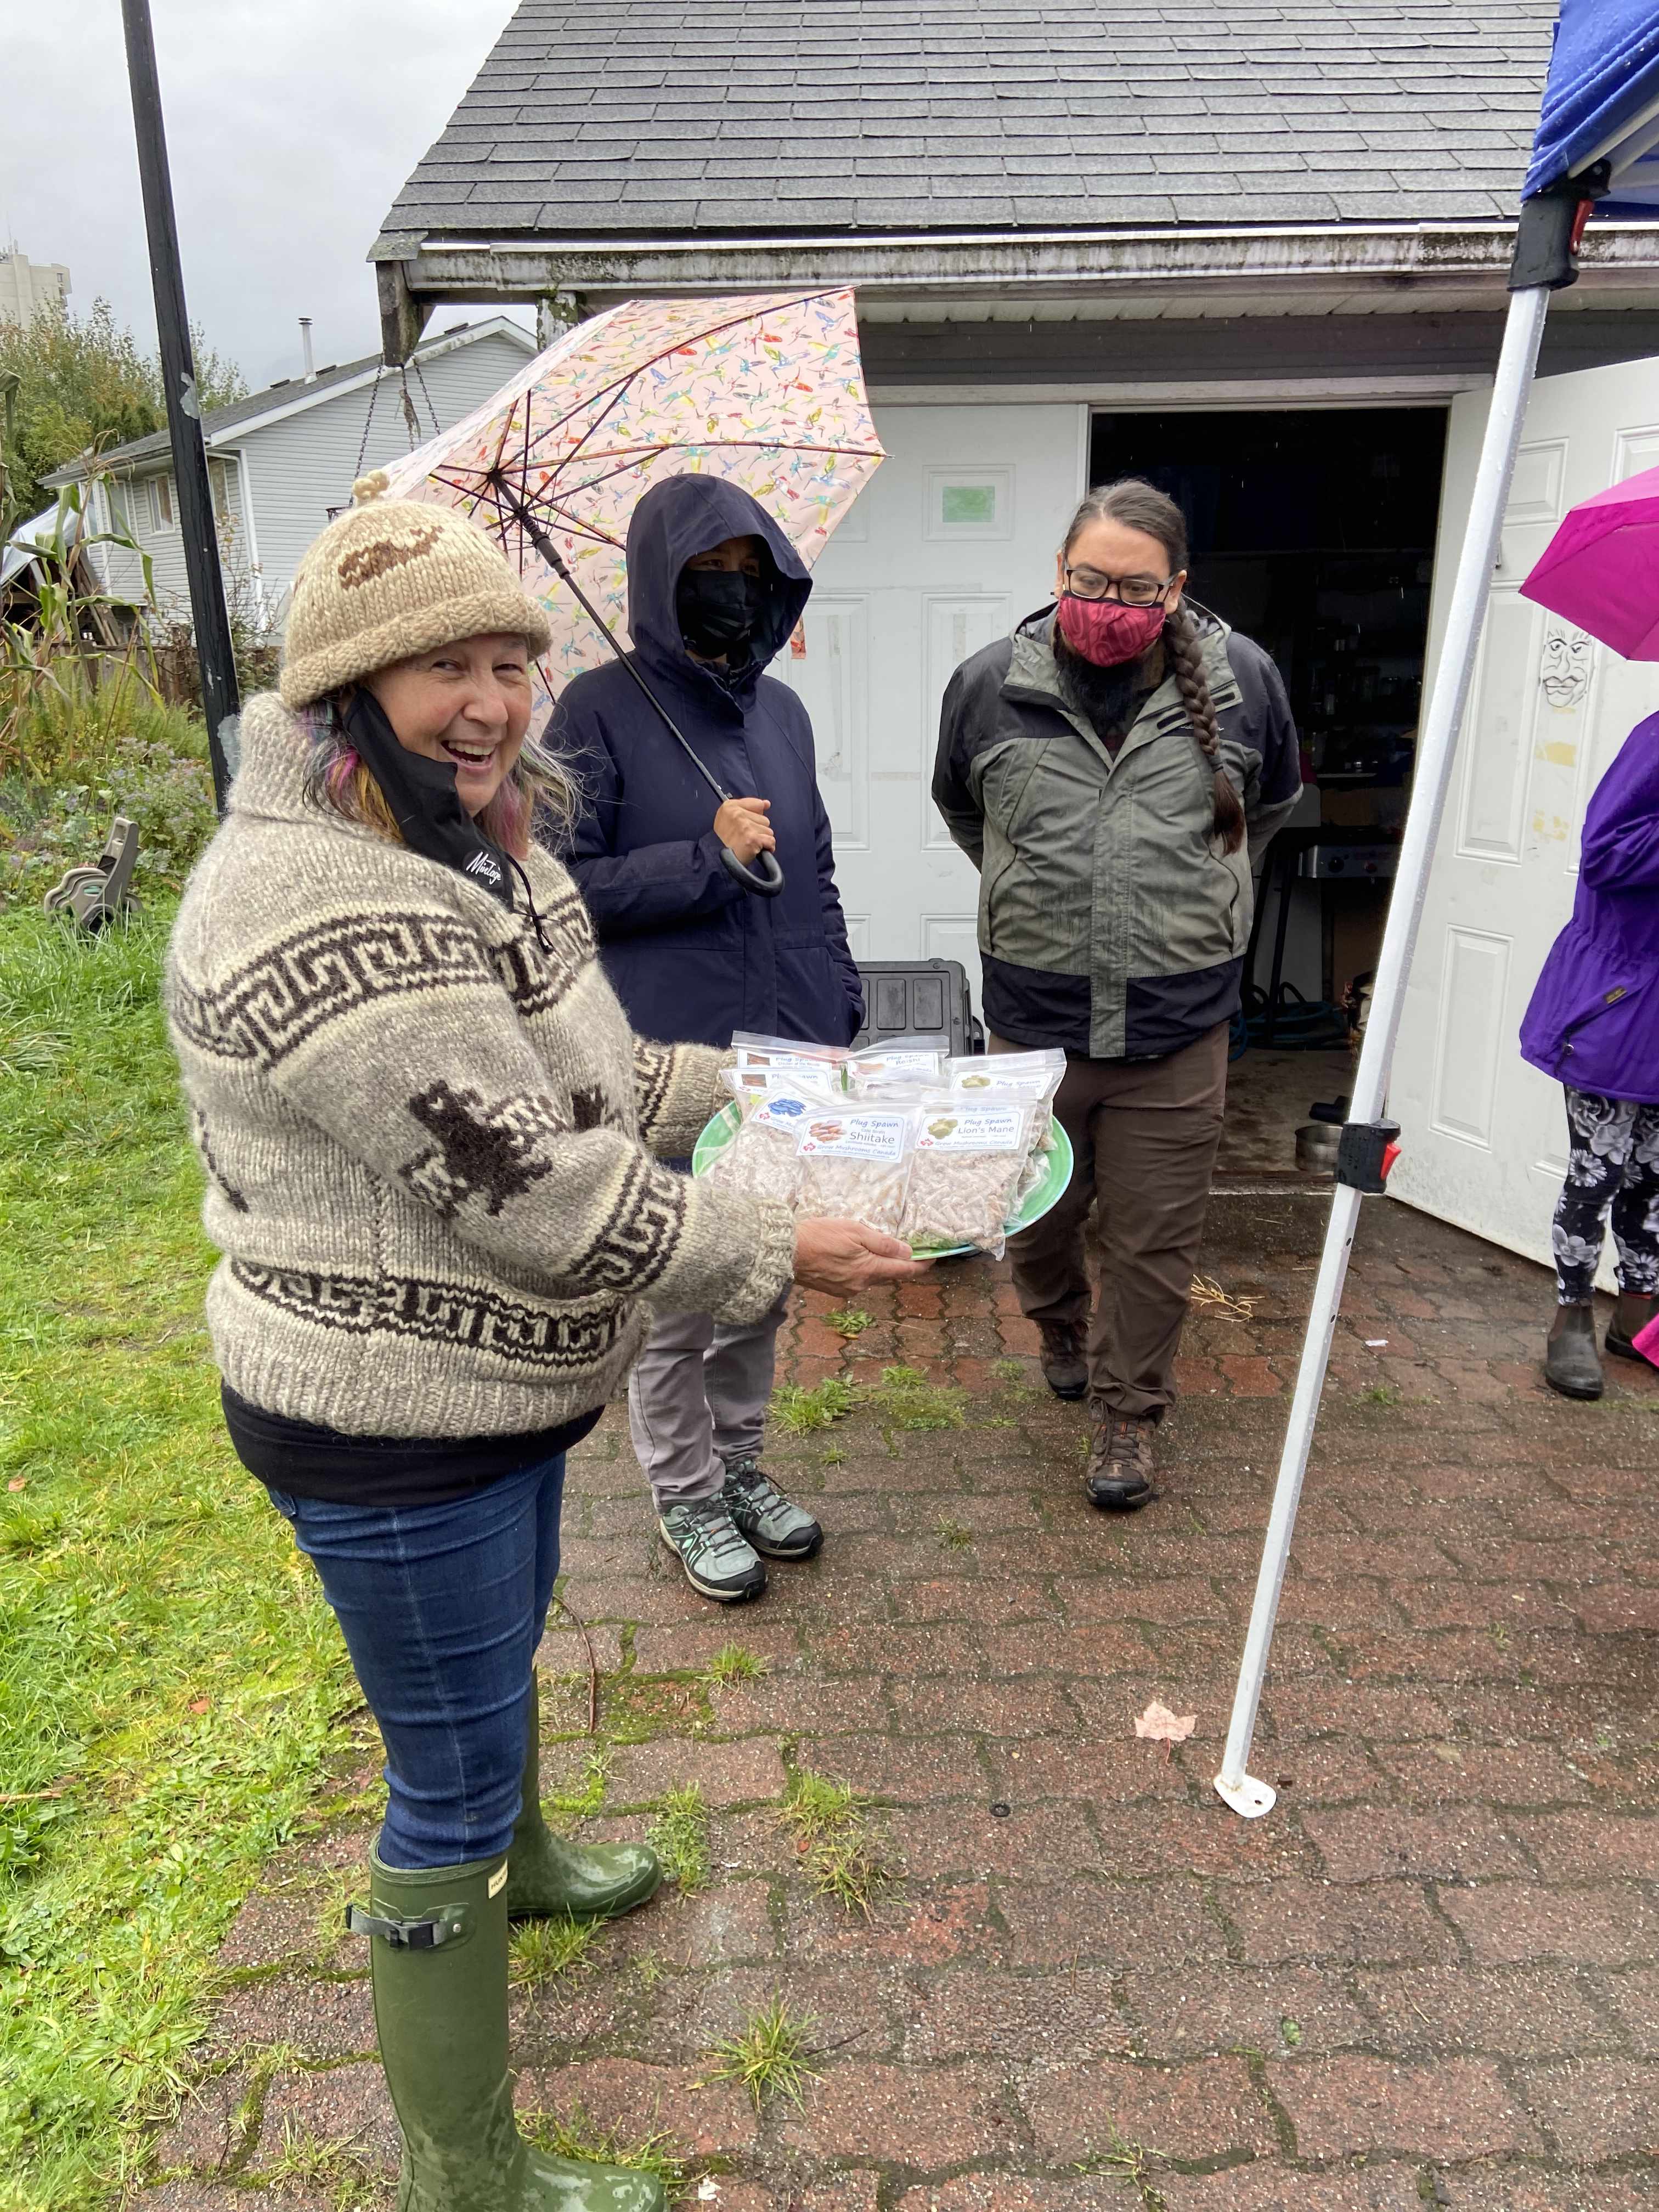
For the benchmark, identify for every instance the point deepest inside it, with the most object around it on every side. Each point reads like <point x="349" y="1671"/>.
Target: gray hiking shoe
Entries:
<point x="776" y="1528"/>
<point x="718" y="1562"/>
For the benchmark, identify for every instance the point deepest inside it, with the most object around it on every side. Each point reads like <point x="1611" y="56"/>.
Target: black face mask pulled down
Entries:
<point x="717" y="608"/>
<point x="425" y="801"/>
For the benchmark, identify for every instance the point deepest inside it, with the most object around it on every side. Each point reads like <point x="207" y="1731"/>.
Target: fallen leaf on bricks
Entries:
<point x="1162" y="1726"/>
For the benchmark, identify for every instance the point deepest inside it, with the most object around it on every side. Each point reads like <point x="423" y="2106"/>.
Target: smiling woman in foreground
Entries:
<point x="429" y="1133"/>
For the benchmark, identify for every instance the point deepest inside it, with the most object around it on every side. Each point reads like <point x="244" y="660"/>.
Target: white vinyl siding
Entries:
<point x="274" y="485"/>
<point x="301" y="466"/>
<point x="163" y="542"/>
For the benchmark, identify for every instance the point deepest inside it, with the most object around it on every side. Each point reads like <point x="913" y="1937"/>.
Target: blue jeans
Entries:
<point x="442" y="1608"/>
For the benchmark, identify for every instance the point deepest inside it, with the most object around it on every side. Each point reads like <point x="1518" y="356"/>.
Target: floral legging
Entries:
<point x="1612" y="1169"/>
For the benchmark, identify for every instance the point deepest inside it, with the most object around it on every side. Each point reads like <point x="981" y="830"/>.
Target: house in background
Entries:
<point x="1256" y="251"/>
<point x="282" y="461"/>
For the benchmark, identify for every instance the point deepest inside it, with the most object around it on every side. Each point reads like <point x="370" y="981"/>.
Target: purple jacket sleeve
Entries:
<point x="1621" y="848"/>
<point x="642" y="887"/>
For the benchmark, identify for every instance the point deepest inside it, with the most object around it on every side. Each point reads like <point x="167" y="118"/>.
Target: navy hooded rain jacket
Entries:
<point x="692" y="956"/>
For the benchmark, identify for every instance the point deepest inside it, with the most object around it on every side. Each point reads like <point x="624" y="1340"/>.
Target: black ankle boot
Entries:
<point x="1571" y="1364"/>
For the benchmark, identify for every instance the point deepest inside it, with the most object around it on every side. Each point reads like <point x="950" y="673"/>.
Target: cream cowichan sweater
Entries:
<point x="423" y="1133"/>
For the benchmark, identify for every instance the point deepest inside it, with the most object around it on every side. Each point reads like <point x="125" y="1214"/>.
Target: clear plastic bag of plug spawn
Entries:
<point x="822" y="1064"/>
<point x="900" y="1062"/>
<point x="854" y="1164"/>
<point x="761" y="1162"/>
<point x="970" y="1164"/>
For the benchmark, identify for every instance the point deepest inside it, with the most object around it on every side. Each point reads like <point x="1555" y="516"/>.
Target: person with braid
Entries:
<point x="1107" y="769"/>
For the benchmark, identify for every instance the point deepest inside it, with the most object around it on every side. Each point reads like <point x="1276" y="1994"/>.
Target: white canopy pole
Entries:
<point x="1435" y="748"/>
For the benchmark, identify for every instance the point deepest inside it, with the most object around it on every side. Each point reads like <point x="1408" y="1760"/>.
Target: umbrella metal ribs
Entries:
<point x="766" y="877"/>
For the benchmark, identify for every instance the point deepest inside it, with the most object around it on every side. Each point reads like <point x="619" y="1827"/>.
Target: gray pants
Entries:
<point x="697" y="1399"/>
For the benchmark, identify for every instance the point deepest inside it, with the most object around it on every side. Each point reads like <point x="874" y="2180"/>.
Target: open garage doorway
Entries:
<point x="1313" y="532"/>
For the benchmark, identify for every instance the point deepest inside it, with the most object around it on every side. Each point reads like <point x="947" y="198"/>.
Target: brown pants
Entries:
<point x="1144" y="1133"/>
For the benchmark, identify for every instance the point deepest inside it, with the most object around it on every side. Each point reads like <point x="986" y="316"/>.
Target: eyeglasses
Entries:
<point x="1131" y="591"/>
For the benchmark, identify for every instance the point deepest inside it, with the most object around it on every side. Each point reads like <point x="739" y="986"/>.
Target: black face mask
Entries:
<point x="717" y="608"/>
<point x="424" y="802"/>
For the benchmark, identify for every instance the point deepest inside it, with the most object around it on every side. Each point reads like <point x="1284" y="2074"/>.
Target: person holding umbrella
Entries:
<point x="1592" y="1024"/>
<point x="1592" y="1021"/>
<point x="1101" y="769"/>
<point x="714" y="589"/>
<point x="428" y="1137"/>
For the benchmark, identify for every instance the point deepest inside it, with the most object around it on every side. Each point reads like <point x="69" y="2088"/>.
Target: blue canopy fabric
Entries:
<point x="1601" y="101"/>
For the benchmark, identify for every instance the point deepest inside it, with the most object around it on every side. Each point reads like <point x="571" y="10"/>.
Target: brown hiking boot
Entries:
<point x="1631" y="1315"/>
<point x="1064" y="1368"/>
<point x="1120" y="1473"/>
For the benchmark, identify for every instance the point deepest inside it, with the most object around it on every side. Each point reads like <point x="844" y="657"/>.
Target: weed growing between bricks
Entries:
<point x="831" y="1825"/>
<point x="679" y="1836"/>
<point x="770" y="2056"/>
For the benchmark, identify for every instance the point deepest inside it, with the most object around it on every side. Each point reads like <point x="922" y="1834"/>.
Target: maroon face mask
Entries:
<point x="1106" y="632"/>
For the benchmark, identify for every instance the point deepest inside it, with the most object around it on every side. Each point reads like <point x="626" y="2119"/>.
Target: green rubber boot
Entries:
<point x="438" y="1945"/>
<point x="546" y="1875"/>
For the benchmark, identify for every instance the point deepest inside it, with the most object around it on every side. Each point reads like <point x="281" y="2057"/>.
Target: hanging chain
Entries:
<point x="368" y="424"/>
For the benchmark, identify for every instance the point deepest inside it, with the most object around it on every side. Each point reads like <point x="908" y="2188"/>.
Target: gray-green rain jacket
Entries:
<point x="1110" y="922"/>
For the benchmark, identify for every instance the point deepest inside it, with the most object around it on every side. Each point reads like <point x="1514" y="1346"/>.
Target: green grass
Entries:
<point x="955" y="1535"/>
<point x="833" y="1834"/>
<point x="849" y="1321"/>
<point x="168" y="1673"/>
<point x="679" y="1837"/>
<point x="800" y="1412"/>
<point x="573" y="2135"/>
<point x="770" y="2056"/>
<point x="905" y="1399"/>
<point x="342" y="2172"/>
<point x="732" y="1663"/>
<point x="544" y="1949"/>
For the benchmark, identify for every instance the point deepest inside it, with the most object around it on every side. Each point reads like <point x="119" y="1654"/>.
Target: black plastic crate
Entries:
<point x="919" y="998"/>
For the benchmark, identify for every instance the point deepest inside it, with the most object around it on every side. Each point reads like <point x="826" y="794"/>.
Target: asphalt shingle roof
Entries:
<point x="673" y="117"/>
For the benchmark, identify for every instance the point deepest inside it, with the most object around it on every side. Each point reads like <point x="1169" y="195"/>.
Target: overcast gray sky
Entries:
<point x="291" y="126"/>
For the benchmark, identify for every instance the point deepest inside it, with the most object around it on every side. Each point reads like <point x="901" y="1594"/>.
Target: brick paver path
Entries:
<point x="1429" y="1976"/>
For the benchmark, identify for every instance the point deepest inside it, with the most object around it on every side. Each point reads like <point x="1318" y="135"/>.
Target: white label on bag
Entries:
<point x="795" y="1063"/>
<point x="973" y="1129"/>
<point x="859" y="1136"/>
<point x="1035" y="1085"/>
<point x="896" y="1063"/>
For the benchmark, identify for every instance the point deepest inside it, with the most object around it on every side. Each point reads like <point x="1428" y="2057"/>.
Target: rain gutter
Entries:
<point x="418" y="269"/>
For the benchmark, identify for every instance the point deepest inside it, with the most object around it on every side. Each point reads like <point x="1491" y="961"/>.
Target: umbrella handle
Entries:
<point x="765" y="878"/>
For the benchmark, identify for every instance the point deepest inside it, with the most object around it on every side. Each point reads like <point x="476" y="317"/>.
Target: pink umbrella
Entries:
<point x="766" y="391"/>
<point x="1602" y="568"/>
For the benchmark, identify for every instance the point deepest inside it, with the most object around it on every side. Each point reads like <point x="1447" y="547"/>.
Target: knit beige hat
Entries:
<point x="392" y="577"/>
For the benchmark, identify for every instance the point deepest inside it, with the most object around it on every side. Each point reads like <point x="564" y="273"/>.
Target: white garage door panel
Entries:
<point x="1471" y="1025"/>
<point x="832" y="679"/>
<point x="952" y="630"/>
<point x="1499" y="757"/>
<point x="1484" y="1134"/>
<point x="954" y="543"/>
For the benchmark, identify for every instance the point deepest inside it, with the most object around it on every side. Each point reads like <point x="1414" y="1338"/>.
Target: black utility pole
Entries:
<point x="207" y="587"/>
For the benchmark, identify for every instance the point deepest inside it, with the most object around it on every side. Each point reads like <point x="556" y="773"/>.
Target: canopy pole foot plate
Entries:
<point x="1248" y="1798"/>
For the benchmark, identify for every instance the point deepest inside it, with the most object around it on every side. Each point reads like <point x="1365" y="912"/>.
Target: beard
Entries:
<point x="1101" y="696"/>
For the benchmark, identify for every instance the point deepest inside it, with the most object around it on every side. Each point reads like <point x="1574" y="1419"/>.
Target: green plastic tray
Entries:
<point x="1041" y="1199"/>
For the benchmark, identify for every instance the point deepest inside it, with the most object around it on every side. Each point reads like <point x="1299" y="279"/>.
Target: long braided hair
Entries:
<point x="1134" y="504"/>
